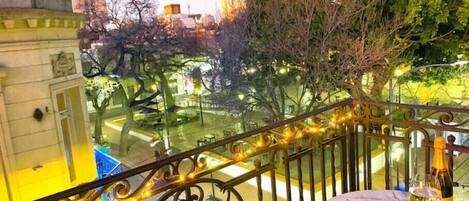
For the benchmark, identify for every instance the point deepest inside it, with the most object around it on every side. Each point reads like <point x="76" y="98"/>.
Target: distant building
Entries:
<point x="172" y="13"/>
<point x="79" y="6"/>
<point x="45" y="142"/>
<point x="172" y="9"/>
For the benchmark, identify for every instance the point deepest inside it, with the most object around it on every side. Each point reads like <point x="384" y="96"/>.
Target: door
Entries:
<point x="66" y="124"/>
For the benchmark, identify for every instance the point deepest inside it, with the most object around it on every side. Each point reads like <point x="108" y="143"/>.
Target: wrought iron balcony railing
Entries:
<point x="348" y="146"/>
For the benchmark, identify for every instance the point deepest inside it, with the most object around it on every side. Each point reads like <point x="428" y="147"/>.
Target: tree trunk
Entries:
<point x="377" y="88"/>
<point x="283" y="103"/>
<point x="170" y="101"/>
<point x="356" y="92"/>
<point x="124" y="138"/>
<point x="98" y="128"/>
<point x="380" y="78"/>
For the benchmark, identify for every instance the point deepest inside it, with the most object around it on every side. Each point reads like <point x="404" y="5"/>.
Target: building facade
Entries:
<point x="45" y="143"/>
<point x="80" y="6"/>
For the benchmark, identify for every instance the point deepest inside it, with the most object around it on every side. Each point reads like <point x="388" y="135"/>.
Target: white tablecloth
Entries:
<point x="386" y="195"/>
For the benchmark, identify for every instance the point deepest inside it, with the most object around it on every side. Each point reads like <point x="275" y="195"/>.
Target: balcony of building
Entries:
<point x="352" y="145"/>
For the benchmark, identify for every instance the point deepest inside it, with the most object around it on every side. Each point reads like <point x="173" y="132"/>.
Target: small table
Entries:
<point x="368" y="195"/>
<point x="210" y="138"/>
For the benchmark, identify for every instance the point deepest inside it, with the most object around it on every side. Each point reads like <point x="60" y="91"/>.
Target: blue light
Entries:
<point x="106" y="165"/>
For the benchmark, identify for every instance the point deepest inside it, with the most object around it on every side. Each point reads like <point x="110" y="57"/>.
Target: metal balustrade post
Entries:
<point x="257" y="164"/>
<point x="300" y="174"/>
<point x="323" y="171"/>
<point x="351" y="156"/>
<point x="332" y="160"/>
<point x="367" y="148"/>
<point x="368" y="163"/>
<point x="287" y="174"/>
<point x="414" y="146"/>
<point x="343" y="168"/>
<point x="272" y="175"/>
<point x="387" y="159"/>
<point x="357" y="158"/>
<point x="451" y="140"/>
<point x="311" y="176"/>
<point x="407" y="163"/>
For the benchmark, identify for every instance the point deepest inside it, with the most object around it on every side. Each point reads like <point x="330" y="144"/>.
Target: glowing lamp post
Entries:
<point x="199" y="94"/>
<point x="243" y="123"/>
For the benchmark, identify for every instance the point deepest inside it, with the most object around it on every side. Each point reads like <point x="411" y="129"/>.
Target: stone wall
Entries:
<point x="39" y="58"/>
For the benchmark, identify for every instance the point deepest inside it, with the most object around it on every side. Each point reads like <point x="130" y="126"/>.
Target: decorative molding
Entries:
<point x="40" y="23"/>
<point x="63" y="64"/>
<point x="56" y="23"/>
<point x="46" y="23"/>
<point x="39" y="18"/>
<point x="9" y="24"/>
<point x="32" y="23"/>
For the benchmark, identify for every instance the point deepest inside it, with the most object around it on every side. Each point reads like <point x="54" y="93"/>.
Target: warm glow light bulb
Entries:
<point x="191" y="175"/>
<point x="398" y="72"/>
<point x="282" y="71"/>
<point x="252" y="70"/>
<point x="154" y="87"/>
<point x="147" y="194"/>
<point x="149" y="184"/>
<point x="259" y="144"/>
<point x="182" y="178"/>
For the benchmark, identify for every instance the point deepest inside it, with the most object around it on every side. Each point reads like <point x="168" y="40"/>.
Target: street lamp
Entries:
<point x="252" y="70"/>
<point x="283" y="71"/>
<point x="199" y="94"/>
<point x="243" y="123"/>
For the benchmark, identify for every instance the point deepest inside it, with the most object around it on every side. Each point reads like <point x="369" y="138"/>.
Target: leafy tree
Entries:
<point x="438" y="30"/>
<point x="327" y="47"/>
<point x="137" y="49"/>
<point x="266" y="78"/>
<point x="337" y="43"/>
<point x="129" y="35"/>
<point x="100" y="90"/>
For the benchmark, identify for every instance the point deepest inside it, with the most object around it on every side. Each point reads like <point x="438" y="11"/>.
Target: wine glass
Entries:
<point x="426" y="188"/>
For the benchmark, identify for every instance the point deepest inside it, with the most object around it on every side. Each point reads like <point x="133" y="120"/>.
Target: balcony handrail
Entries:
<point x="339" y="123"/>
<point x="161" y="162"/>
<point x="436" y="109"/>
<point x="413" y="106"/>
